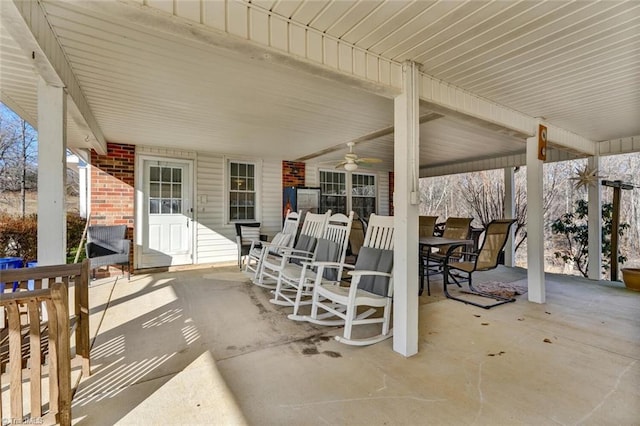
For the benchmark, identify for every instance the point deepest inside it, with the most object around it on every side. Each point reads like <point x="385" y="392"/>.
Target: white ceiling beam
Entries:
<point x="448" y="99"/>
<point x="28" y="25"/>
<point x="514" y="160"/>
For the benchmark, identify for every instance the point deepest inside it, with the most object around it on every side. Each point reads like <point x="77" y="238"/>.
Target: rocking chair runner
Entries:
<point x="371" y="286"/>
<point x="496" y="236"/>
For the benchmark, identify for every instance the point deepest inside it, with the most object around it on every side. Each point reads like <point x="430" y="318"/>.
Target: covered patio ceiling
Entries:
<point x="163" y="73"/>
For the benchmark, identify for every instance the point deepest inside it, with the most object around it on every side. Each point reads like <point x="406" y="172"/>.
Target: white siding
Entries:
<point x="216" y="239"/>
<point x="271" y="197"/>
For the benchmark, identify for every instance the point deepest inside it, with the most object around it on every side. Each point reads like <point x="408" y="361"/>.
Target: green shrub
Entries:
<point x="574" y="228"/>
<point x="19" y="236"/>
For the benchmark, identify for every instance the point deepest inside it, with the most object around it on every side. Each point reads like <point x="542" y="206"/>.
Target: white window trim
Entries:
<point x="349" y="185"/>
<point x="257" y="184"/>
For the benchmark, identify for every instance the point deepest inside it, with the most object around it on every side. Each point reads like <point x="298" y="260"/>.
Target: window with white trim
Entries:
<point x="341" y="193"/>
<point x="333" y="190"/>
<point x="242" y="191"/>
<point x="363" y="194"/>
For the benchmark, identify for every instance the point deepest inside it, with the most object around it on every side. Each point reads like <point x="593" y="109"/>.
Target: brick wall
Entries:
<point x="293" y="173"/>
<point x="112" y="188"/>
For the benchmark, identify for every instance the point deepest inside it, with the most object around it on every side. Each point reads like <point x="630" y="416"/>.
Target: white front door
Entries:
<point x="167" y="214"/>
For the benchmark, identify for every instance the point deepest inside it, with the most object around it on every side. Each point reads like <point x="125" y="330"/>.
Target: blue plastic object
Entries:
<point x="10" y="263"/>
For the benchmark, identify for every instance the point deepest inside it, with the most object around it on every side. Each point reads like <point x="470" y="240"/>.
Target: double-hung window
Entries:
<point x="342" y="193"/>
<point x="242" y="191"/>
<point x="333" y="190"/>
<point x="363" y="194"/>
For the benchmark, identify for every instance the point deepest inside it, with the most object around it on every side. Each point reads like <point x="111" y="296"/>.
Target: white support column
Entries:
<point x="535" y="224"/>
<point x="52" y="172"/>
<point x="405" y="202"/>
<point x="510" y="213"/>
<point x="594" y="222"/>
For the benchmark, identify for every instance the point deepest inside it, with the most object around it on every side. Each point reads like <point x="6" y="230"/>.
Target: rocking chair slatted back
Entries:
<point x="381" y="235"/>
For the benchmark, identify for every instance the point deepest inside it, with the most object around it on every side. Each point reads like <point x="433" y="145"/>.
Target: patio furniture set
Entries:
<point x="305" y="266"/>
<point x="443" y="253"/>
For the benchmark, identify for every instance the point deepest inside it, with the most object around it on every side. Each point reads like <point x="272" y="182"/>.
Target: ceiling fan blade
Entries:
<point x="340" y="165"/>
<point x="369" y="160"/>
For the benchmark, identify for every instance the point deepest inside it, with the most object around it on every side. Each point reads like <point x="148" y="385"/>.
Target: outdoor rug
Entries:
<point x="506" y="290"/>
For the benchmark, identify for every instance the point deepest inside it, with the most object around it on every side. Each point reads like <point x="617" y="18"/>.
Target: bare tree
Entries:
<point x="18" y="154"/>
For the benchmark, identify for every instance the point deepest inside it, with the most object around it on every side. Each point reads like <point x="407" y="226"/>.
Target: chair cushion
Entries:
<point x="328" y="251"/>
<point x="373" y="259"/>
<point x="249" y="234"/>
<point x="306" y="243"/>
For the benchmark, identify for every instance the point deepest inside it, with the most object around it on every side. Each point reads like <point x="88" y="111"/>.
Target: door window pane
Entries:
<point x="165" y="190"/>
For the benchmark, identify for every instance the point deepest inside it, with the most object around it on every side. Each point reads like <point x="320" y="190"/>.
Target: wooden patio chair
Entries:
<point x="312" y="229"/>
<point x="496" y="236"/>
<point x="295" y="280"/>
<point x="432" y="262"/>
<point x="283" y="239"/>
<point x="371" y="287"/>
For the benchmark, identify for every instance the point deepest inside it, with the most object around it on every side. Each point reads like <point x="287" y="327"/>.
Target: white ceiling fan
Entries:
<point x="352" y="161"/>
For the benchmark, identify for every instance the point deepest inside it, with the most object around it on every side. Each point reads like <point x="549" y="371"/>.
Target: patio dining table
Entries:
<point x="427" y="243"/>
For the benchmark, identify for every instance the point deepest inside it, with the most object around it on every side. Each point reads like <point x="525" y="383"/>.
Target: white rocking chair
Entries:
<point x="371" y="286"/>
<point x="271" y="264"/>
<point x="295" y="281"/>
<point x="282" y="240"/>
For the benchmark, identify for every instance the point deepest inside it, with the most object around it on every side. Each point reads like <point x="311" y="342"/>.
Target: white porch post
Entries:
<point x="594" y="222"/>
<point x="510" y="213"/>
<point x="405" y="204"/>
<point x="535" y="224"/>
<point x="52" y="172"/>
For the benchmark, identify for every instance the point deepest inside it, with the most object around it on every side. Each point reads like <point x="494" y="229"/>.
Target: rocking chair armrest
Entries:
<point x="289" y="251"/>
<point x="256" y="244"/>
<point x="286" y="257"/>
<point x="329" y="264"/>
<point x="272" y="246"/>
<point x="361" y="273"/>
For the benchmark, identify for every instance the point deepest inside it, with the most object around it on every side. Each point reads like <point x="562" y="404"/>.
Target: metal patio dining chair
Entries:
<point x="496" y="236"/>
<point x="432" y="263"/>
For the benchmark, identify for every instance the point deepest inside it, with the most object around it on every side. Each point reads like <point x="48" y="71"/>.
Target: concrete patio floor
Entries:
<point x="204" y="346"/>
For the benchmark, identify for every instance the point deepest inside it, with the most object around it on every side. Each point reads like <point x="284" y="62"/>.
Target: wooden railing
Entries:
<point x="38" y="327"/>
